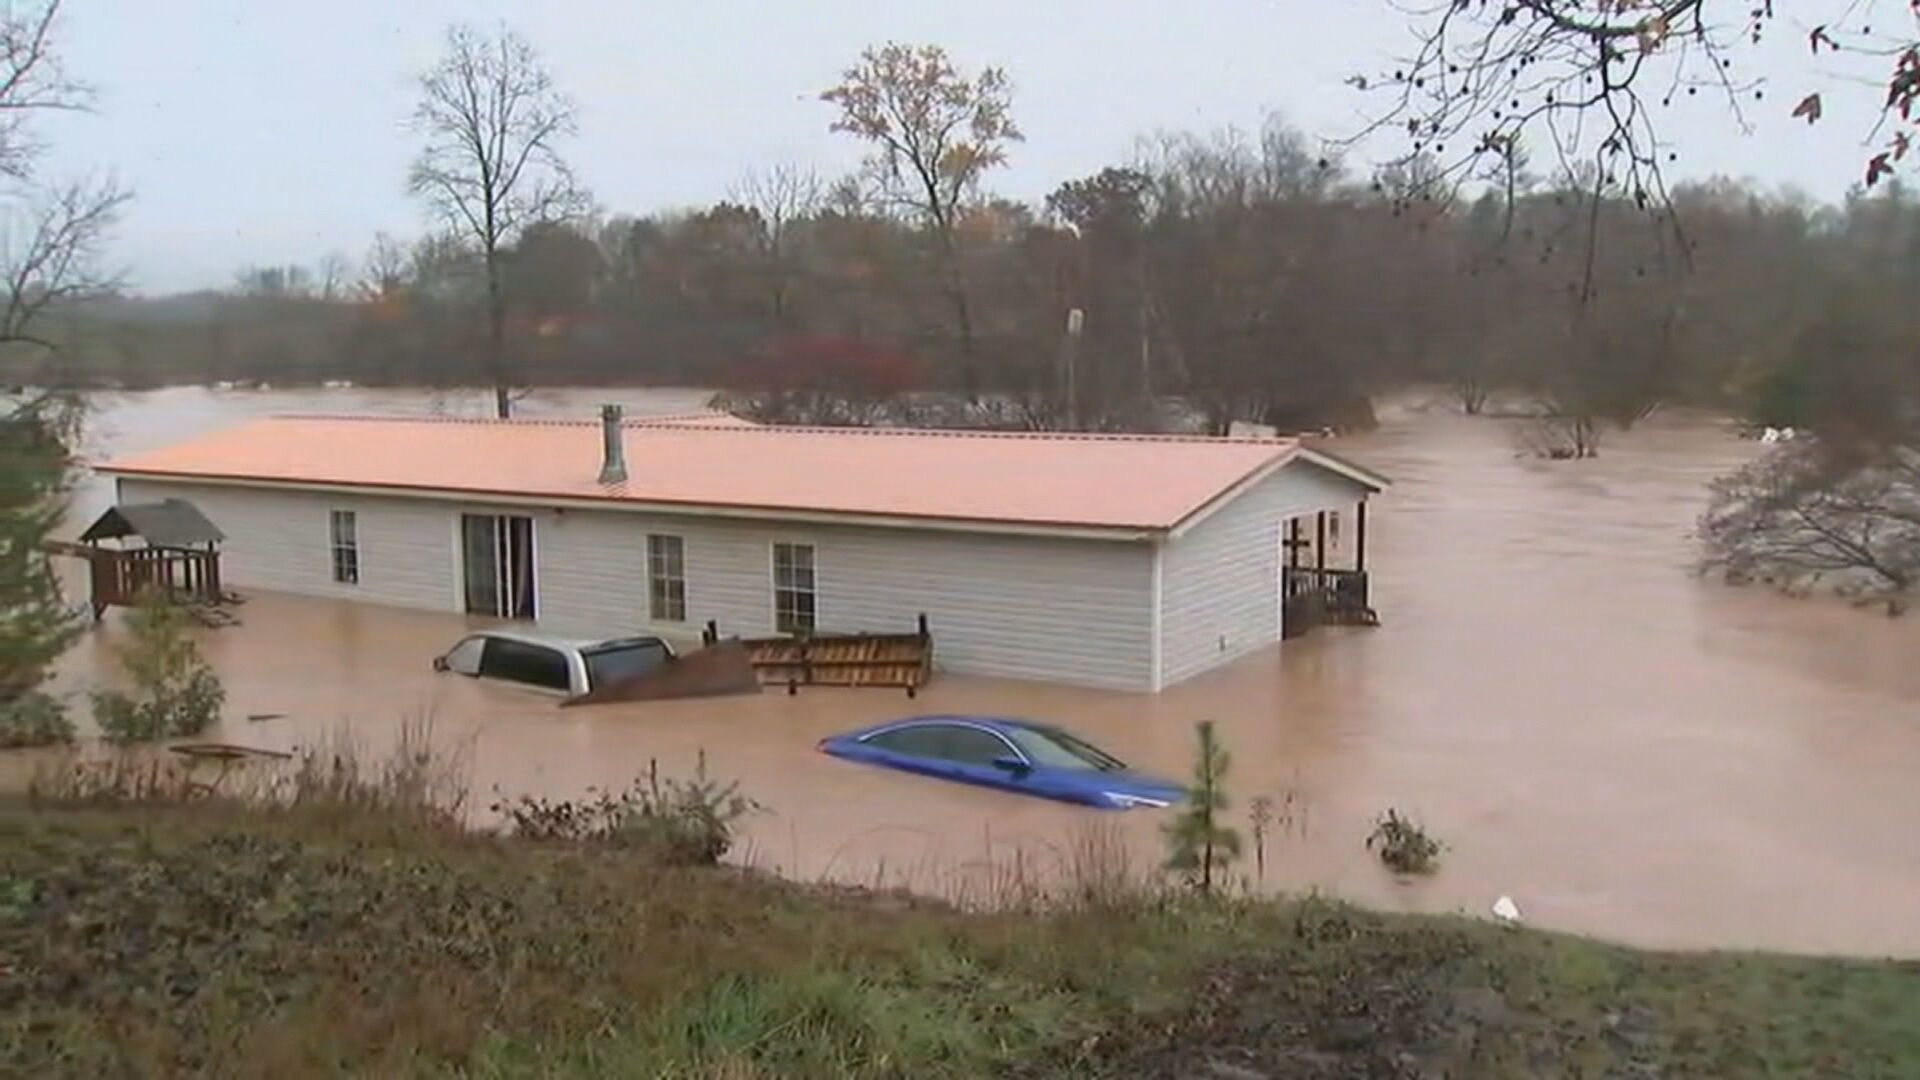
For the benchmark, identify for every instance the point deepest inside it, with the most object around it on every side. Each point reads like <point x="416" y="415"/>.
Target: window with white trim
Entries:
<point x="343" y="538"/>
<point x="666" y="578"/>
<point x="793" y="588"/>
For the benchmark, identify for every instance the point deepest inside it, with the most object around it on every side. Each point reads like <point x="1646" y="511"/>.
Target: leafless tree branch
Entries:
<point x="492" y="118"/>
<point x="31" y="81"/>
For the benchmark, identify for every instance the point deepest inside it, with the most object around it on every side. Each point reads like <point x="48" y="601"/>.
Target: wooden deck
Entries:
<point x="897" y="661"/>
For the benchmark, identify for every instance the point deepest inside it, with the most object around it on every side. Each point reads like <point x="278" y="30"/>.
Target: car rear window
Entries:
<point x="620" y="660"/>
<point x="525" y="662"/>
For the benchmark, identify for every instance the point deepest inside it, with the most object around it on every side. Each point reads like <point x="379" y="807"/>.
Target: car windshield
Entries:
<point x="1051" y="748"/>
<point x="617" y="661"/>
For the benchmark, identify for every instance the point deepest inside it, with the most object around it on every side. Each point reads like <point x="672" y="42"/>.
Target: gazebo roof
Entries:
<point x="171" y="523"/>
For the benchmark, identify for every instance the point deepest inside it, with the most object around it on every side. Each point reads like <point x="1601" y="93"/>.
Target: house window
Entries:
<point x="343" y="534"/>
<point x="793" y="595"/>
<point x="667" y="578"/>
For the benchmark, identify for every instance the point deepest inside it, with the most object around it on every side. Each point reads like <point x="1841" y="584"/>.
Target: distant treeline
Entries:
<point x="1248" y="275"/>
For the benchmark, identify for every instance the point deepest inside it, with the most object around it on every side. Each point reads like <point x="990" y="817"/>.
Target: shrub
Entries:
<point x="679" y="822"/>
<point x="1268" y="816"/>
<point x="1200" y="844"/>
<point x="175" y="692"/>
<point x="1403" y="845"/>
<point x="34" y="719"/>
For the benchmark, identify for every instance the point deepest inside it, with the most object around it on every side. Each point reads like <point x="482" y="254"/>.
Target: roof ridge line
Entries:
<point x="434" y="418"/>
<point x="980" y="433"/>
<point x="666" y="420"/>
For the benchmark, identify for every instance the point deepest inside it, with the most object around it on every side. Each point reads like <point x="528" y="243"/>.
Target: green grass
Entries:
<point x="214" y="940"/>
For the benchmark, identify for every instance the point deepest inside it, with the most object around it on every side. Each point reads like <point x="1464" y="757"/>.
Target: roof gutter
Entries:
<point x="1119" y="534"/>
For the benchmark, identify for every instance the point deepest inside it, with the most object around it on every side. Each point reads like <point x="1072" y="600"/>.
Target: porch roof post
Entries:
<point x="1360" y="536"/>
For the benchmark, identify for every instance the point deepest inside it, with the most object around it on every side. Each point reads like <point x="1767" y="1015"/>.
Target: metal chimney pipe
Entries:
<point x="613" y="450"/>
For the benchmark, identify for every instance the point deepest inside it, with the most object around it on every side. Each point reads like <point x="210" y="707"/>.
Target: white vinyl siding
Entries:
<point x="1220" y="580"/>
<point x="281" y="540"/>
<point x="1064" y="610"/>
<point x="1072" y="611"/>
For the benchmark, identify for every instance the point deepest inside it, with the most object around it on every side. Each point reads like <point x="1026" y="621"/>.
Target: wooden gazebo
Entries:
<point x="179" y="552"/>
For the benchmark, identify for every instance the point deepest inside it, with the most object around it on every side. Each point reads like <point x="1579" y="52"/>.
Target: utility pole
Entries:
<point x="1075" y="318"/>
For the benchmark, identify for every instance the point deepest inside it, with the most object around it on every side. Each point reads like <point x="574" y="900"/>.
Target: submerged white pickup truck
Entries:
<point x="554" y="665"/>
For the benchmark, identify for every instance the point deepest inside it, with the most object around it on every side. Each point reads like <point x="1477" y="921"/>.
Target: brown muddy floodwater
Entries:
<point x="1626" y="750"/>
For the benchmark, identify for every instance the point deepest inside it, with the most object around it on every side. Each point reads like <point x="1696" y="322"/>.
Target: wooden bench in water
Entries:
<point x="899" y="661"/>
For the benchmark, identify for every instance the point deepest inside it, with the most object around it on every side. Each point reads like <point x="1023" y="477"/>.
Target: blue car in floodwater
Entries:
<point x="1012" y="755"/>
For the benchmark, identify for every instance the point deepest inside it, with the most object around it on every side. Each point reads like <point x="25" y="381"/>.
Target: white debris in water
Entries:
<point x="1506" y="910"/>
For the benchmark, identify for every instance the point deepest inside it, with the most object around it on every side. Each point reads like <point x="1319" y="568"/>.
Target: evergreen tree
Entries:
<point x="1199" y="842"/>
<point x="36" y="625"/>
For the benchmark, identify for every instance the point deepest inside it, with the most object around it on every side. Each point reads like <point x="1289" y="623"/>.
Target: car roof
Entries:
<point x="551" y="641"/>
<point x="938" y="718"/>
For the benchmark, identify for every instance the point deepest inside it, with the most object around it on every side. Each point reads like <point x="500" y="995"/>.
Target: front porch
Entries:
<point x="1312" y="591"/>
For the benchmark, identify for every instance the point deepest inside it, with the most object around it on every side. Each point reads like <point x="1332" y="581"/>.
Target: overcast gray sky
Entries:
<point x="276" y="132"/>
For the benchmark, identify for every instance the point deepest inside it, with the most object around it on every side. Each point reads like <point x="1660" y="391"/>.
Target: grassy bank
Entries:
<point x="215" y="940"/>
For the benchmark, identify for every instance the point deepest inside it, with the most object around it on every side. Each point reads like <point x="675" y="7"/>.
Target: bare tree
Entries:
<point x="493" y="118"/>
<point x="1589" y="78"/>
<point x="274" y="282"/>
<point x="938" y="131"/>
<point x="1804" y="517"/>
<point x="331" y="276"/>
<point x="53" y="233"/>
<point x="782" y="195"/>
<point x="31" y="81"/>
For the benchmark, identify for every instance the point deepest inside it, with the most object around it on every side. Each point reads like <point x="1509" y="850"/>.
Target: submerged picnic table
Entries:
<point x="227" y="755"/>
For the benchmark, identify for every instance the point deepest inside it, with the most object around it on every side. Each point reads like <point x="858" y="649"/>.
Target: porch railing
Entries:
<point x="1314" y="597"/>
<point x="119" y="577"/>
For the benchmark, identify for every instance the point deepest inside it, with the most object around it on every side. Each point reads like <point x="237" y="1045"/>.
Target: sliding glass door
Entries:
<point x="498" y="555"/>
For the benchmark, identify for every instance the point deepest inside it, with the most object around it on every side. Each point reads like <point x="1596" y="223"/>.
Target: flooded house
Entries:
<point x="1125" y="562"/>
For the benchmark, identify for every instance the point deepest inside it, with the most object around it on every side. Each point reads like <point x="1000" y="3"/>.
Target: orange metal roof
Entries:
<point x="1059" y="480"/>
